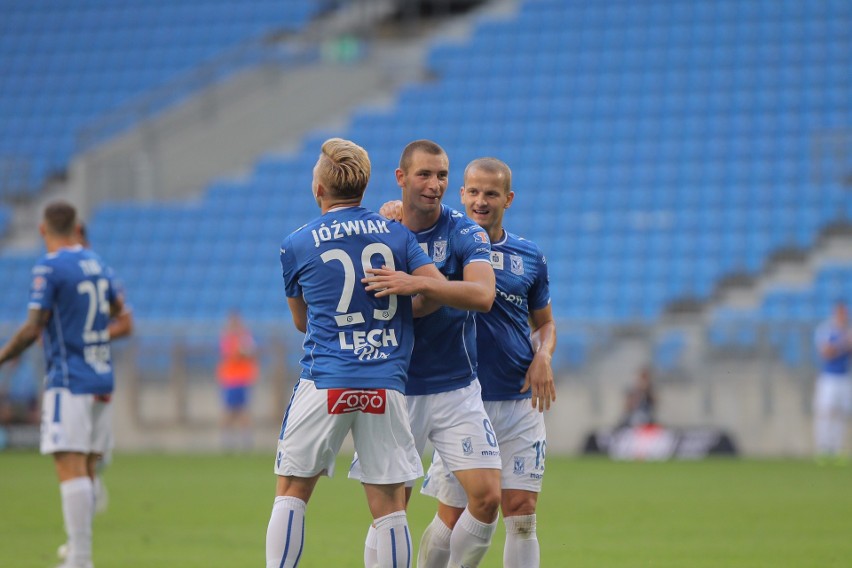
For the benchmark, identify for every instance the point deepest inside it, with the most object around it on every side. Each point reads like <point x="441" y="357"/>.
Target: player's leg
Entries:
<point x="102" y="445"/>
<point x="67" y="435"/>
<point x="307" y="445"/>
<point x="285" y="534"/>
<point x="77" y="493"/>
<point x="521" y="549"/>
<point x="388" y="461"/>
<point x="466" y="441"/>
<point x="392" y="537"/>
<point x="844" y="408"/>
<point x="434" y="549"/>
<point x="522" y="434"/>
<point x="419" y="424"/>
<point x="822" y="418"/>
<point x="472" y="534"/>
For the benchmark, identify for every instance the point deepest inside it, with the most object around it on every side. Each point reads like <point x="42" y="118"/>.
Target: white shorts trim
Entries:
<point x="311" y="437"/>
<point x="75" y="423"/>
<point x="522" y="436"/>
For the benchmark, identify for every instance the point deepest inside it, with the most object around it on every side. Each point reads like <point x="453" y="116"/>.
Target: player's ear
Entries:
<point x="509" y="199"/>
<point x="400" y="176"/>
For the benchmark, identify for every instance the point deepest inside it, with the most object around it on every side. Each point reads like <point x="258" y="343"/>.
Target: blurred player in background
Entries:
<point x="443" y="392"/>
<point x="356" y="351"/>
<point x="120" y="325"/>
<point x="516" y="373"/>
<point x="72" y="297"/>
<point x="237" y="372"/>
<point x="833" y="396"/>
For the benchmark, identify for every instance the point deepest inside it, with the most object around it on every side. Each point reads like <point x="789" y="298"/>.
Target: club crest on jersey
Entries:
<point x="467" y="446"/>
<point x="517" y="264"/>
<point x="439" y="251"/>
<point x="497" y="260"/>
<point x="519" y="465"/>
<point x="368" y="401"/>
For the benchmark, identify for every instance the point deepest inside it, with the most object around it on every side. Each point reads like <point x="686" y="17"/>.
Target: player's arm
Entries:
<point x="539" y="376"/>
<point x="476" y="292"/>
<point x="121" y="325"/>
<point x="422" y="306"/>
<point x="831" y="349"/>
<point x="299" y="311"/>
<point x="26" y="335"/>
<point x="121" y="319"/>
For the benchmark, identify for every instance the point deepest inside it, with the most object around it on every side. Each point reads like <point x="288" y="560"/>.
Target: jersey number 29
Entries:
<point x="345" y="317"/>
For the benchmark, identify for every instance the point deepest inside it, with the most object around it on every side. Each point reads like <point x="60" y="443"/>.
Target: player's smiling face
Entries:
<point x="485" y="198"/>
<point x="425" y="182"/>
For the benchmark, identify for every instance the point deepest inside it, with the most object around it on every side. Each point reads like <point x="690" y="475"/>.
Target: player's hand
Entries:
<point x="539" y="378"/>
<point x="385" y="282"/>
<point x="392" y="210"/>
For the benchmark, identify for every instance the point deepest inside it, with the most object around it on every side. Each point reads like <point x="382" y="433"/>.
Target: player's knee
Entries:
<point x="485" y="504"/>
<point x="518" y="503"/>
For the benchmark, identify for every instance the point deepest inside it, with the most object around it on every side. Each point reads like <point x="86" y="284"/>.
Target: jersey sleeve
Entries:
<point x="473" y="241"/>
<point x="42" y="287"/>
<point x="116" y="286"/>
<point x="289" y="269"/>
<point x="540" y="291"/>
<point x="416" y="256"/>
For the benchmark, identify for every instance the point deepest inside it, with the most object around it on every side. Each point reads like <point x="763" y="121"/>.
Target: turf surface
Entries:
<point x="209" y="511"/>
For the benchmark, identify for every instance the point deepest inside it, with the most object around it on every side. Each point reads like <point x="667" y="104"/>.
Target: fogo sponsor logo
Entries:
<point x="369" y="401"/>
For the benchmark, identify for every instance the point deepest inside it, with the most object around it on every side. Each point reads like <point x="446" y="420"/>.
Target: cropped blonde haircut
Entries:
<point x="492" y="166"/>
<point x="344" y="168"/>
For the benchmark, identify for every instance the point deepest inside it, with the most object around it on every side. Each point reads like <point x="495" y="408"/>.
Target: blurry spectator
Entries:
<point x="833" y="396"/>
<point x="640" y="402"/>
<point x="237" y="370"/>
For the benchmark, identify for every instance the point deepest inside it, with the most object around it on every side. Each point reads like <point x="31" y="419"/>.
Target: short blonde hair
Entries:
<point x="492" y="166"/>
<point x="344" y="168"/>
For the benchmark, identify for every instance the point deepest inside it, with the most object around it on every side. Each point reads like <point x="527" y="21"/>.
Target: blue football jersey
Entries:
<point x="76" y="286"/>
<point x="504" y="333"/>
<point x="353" y="339"/>
<point x="829" y="333"/>
<point x="444" y="357"/>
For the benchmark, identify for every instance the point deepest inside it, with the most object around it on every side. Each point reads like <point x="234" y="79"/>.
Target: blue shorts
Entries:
<point x="235" y="398"/>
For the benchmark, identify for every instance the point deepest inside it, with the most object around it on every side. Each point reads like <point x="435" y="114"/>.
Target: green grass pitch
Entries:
<point x="209" y="511"/>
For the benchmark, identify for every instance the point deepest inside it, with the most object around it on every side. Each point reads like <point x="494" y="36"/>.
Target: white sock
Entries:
<point x="285" y="535"/>
<point x="78" y="508"/>
<point x="371" y="554"/>
<point x="393" y="541"/>
<point x="470" y="541"/>
<point x="101" y="494"/>
<point x="435" y="545"/>
<point x="521" y="549"/>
